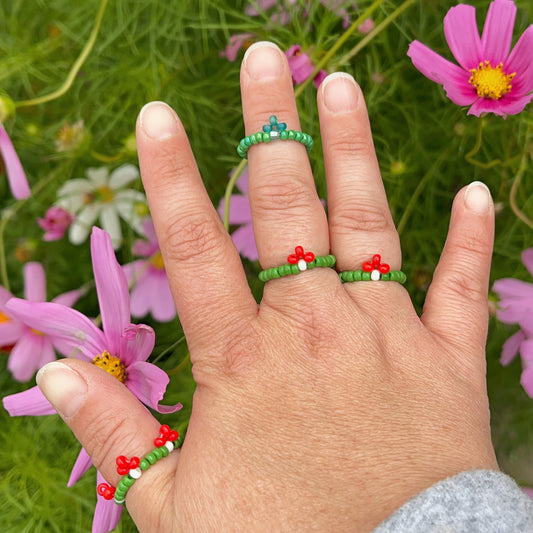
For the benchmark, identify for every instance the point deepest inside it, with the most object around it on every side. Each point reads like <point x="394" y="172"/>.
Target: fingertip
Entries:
<point x="158" y="121"/>
<point x="477" y="198"/>
<point x="339" y="93"/>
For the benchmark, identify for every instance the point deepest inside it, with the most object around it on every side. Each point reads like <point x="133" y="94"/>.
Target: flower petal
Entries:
<point x="137" y="343"/>
<point x="498" y="31"/>
<point x="511" y="347"/>
<point x="111" y="224"/>
<point x="75" y="187"/>
<point x="98" y="176"/>
<point x="10" y="332"/>
<point x="521" y="62"/>
<point x="510" y="290"/>
<point x="80" y="228"/>
<point x="141" y="296"/>
<point x="30" y="402"/>
<point x="149" y="383"/>
<point x="244" y="240"/>
<point x="23" y="358"/>
<point x="112" y="289"/>
<point x="123" y="176"/>
<point x="82" y="464"/>
<point x="453" y="78"/>
<point x="34" y="282"/>
<point x="239" y="209"/>
<point x="106" y="513"/>
<point x="69" y="298"/>
<point x="60" y="322"/>
<point x="163" y="308"/>
<point x="18" y="183"/>
<point x="527" y="259"/>
<point x="462" y="35"/>
<point x="5" y="295"/>
<point x="242" y="181"/>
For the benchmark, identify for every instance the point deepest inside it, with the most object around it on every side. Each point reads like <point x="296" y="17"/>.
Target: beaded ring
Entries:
<point x="132" y="469"/>
<point x="274" y="130"/>
<point x="373" y="271"/>
<point x="297" y="262"/>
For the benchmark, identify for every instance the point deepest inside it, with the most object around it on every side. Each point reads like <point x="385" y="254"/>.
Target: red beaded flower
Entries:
<point x="376" y="264"/>
<point x="107" y="491"/>
<point x="124" y="465"/>
<point x="300" y="254"/>
<point x="165" y="435"/>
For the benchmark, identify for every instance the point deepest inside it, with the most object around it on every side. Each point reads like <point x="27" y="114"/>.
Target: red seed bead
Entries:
<point x="105" y="490"/>
<point x="384" y="268"/>
<point x="376" y="260"/>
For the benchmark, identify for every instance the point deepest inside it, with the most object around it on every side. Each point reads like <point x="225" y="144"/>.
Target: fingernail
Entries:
<point x="263" y="61"/>
<point x="158" y="121"/>
<point x="64" y="388"/>
<point x="339" y="92"/>
<point x="477" y="198"/>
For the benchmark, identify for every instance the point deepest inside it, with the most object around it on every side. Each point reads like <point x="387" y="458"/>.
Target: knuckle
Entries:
<point x="282" y="196"/>
<point x="189" y="236"/>
<point x="347" y="144"/>
<point x="364" y="217"/>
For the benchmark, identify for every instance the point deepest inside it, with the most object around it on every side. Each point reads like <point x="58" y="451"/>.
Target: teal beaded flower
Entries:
<point x="274" y="128"/>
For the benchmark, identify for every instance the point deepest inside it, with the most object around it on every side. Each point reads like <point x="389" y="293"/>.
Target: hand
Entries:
<point x="329" y="405"/>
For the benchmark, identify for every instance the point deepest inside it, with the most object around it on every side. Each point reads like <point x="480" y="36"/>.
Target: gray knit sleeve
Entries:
<point x="480" y="501"/>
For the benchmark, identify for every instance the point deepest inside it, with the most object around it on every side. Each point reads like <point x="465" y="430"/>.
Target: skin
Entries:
<point x="329" y="405"/>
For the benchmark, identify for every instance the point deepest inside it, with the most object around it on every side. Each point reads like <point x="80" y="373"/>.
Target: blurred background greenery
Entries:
<point x="170" y="50"/>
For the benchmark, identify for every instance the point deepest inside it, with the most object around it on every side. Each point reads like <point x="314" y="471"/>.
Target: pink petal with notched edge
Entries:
<point x="498" y="31"/>
<point x="30" y="402"/>
<point x="18" y="183"/>
<point x="487" y="105"/>
<point x="163" y="308"/>
<point x="453" y="78"/>
<point x="462" y="36"/>
<point x="527" y="259"/>
<point x="136" y="344"/>
<point x="521" y="62"/>
<point x="149" y="383"/>
<point x="112" y="289"/>
<point x="23" y="359"/>
<point x="513" y="106"/>
<point x="106" y="513"/>
<point x="34" y="282"/>
<point x="82" y="464"/>
<point x="62" y="323"/>
<point x="511" y="347"/>
<point x="244" y="240"/>
<point x="10" y="332"/>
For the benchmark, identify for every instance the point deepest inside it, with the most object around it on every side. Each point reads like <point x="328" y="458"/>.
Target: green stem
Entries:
<point x="378" y="29"/>
<point x="342" y="39"/>
<point x="167" y="350"/>
<point x="516" y="182"/>
<point x="183" y="363"/>
<point x="479" y="139"/>
<point x="75" y="68"/>
<point x="229" y="189"/>
<point x="419" y="188"/>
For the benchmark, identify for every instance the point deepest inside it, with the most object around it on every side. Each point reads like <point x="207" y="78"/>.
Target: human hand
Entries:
<point x="328" y="405"/>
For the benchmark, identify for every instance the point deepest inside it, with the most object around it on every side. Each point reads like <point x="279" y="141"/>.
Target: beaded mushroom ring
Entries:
<point x="272" y="131"/>
<point x="373" y="270"/>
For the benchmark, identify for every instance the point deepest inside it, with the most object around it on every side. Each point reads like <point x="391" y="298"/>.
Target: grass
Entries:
<point x="149" y="49"/>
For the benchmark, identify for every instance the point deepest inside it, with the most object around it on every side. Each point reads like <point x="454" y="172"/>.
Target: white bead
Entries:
<point x="302" y="265"/>
<point x="119" y="502"/>
<point x="169" y="445"/>
<point x="375" y="275"/>
<point x="274" y="134"/>
<point x="136" y="473"/>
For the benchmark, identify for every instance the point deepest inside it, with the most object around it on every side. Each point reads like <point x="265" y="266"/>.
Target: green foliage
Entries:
<point x="154" y="50"/>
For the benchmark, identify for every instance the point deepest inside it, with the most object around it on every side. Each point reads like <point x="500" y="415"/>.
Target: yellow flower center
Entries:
<point x="4" y="318"/>
<point x="111" y="364"/>
<point x="157" y="261"/>
<point x="105" y="194"/>
<point x="489" y="81"/>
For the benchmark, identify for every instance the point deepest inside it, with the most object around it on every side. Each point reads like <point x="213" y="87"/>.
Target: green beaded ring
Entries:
<point x="373" y="271"/>
<point x="274" y="130"/>
<point x="297" y="262"/>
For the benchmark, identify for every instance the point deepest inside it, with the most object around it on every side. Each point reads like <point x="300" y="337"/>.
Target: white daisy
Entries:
<point x="105" y="197"/>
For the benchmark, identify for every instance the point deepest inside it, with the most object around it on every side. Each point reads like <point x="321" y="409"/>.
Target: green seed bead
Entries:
<point x="295" y="269"/>
<point x="253" y="138"/>
<point x="283" y="135"/>
<point x="164" y="451"/>
<point x="266" y="137"/>
<point x="291" y="134"/>
<point x="248" y="141"/>
<point x="274" y="274"/>
<point x="150" y="457"/>
<point x="298" y="136"/>
<point x="144" y="464"/>
<point x="387" y="277"/>
<point x="158" y="453"/>
<point x="262" y="277"/>
<point x="365" y="276"/>
<point x="357" y="275"/>
<point x="284" y="270"/>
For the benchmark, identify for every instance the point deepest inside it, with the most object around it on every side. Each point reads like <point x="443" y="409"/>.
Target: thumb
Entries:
<point x="109" y="421"/>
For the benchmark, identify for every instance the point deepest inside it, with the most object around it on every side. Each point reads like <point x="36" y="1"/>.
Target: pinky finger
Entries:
<point x="456" y="307"/>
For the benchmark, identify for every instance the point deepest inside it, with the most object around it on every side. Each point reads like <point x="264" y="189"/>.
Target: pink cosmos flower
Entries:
<point x="240" y="215"/>
<point x="16" y="177"/>
<point x="151" y="291"/>
<point x="55" y="223"/>
<point x="516" y="307"/>
<point x="302" y="67"/>
<point x="32" y="348"/>
<point x="121" y="349"/>
<point x="236" y="42"/>
<point x="366" y="27"/>
<point x="489" y="78"/>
